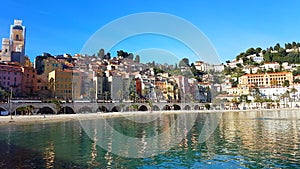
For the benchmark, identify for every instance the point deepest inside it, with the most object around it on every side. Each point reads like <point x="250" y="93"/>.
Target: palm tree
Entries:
<point x="284" y="96"/>
<point x="294" y="90"/>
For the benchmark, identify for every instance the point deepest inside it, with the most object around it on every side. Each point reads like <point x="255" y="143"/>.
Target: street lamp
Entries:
<point x="10" y="106"/>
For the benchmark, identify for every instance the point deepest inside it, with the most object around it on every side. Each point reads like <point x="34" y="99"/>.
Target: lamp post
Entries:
<point x="10" y="106"/>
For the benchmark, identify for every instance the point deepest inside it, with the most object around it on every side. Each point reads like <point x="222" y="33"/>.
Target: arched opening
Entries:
<point x="155" y="108"/>
<point x="24" y="110"/>
<point x="143" y="108"/>
<point x="102" y="109"/>
<point x="45" y="110"/>
<point x="166" y="107"/>
<point x="85" y="109"/>
<point x="187" y="107"/>
<point x="17" y="37"/>
<point x="176" y="107"/>
<point x="196" y="107"/>
<point x="3" y="112"/>
<point x="116" y="109"/>
<point x="66" y="110"/>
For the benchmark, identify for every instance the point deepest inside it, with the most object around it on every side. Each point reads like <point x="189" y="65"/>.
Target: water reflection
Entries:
<point x="49" y="155"/>
<point x="128" y="138"/>
<point x="268" y="139"/>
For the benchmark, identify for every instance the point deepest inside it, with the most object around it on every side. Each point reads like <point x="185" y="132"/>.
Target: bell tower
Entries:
<point x="17" y="37"/>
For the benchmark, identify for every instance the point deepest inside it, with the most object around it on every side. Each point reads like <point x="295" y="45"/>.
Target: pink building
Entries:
<point x="11" y="76"/>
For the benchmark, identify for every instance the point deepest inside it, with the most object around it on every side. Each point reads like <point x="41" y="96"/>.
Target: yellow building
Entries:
<point x="240" y="90"/>
<point x="51" y="64"/>
<point x="168" y="89"/>
<point x="65" y="84"/>
<point x="267" y="79"/>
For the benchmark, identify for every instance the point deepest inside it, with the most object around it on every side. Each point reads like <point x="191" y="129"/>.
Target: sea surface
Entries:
<point x="257" y="139"/>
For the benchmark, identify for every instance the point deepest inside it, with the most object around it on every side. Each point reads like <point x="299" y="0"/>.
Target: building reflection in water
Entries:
<point x="263" y="132"/>
<point x="49" y="155"/>
<point x="128" y="138"/>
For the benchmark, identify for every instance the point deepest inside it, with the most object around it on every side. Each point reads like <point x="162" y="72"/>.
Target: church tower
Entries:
<point x="17" y="38"/>
<point x="5" y="55"/>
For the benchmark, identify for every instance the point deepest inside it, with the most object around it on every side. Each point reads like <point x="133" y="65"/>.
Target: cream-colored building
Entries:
<point x="65" y="84"/>
<point x="267" y="79"/>
<point x="51" y="64"/>
<point x="240" y="90"/>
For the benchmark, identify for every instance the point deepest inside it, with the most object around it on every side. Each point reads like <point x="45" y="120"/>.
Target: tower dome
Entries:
<point x="18" y="27"/>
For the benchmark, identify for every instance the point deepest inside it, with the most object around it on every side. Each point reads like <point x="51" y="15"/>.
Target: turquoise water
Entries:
<point x="241" y="140"/>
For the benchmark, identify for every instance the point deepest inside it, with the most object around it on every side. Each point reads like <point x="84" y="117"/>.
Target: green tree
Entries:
<point x="207" y="106"/>
<point x="288" y="46"/>
<point x="297" y="81"/>
<point x="184" y="62"/>
<point x="286" y="83"/>
<point x="137" y="59"/>
<point x="258" y="50"/>
<point x="101" y="54"/>
<point x="294" y="45"/>
<point x="250" y="51"/>
<point x="277" y="47"/>
<point x="294" y="90"/>
<point x="285" y="96"/>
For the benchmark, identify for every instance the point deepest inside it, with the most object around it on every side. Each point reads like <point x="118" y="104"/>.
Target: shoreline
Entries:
<point x="30" y="119"/>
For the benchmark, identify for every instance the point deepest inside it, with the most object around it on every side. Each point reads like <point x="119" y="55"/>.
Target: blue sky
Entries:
<point x="232" y="26"/>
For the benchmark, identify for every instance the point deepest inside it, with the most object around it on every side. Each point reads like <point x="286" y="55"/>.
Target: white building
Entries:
<point x="258" y="59"/>
<point x="271" y="65"/>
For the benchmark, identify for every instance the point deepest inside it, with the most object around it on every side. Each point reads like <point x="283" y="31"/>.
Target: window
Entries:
<point x="17" y="37"/>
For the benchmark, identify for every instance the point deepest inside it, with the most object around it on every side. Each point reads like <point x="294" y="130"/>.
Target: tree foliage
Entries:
<point x="184" y="62"/>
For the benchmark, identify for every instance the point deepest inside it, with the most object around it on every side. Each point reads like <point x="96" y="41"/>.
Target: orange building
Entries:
<point x="29" y="82"/>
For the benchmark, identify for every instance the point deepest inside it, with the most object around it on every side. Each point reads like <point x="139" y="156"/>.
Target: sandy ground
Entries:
<point x="6" y="120"/>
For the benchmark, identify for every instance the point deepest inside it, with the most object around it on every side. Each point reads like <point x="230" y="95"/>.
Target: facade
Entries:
<point x="138" y="86"/>
<point x="39" y="64"/>
<point x="129" y="88"/>
<point x="51" y="64"/>
<point x="29" y="82"/>
<point x="267" y="79"/>
<point x="240" y="90"/>
<point x="13" y="49"/>
<point x="183" y="85"/>
<point x="65" y="84"/>
<point x="271" y="66"/>
<point x="116" y="86"/>
<point x="11" y="77"/>
<point x="5" y="55"/>
<point x="272" y="93"/>
<point x="101" y="87"/>
<point x="42" y="86"/>
<point x="258" y="59"/>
